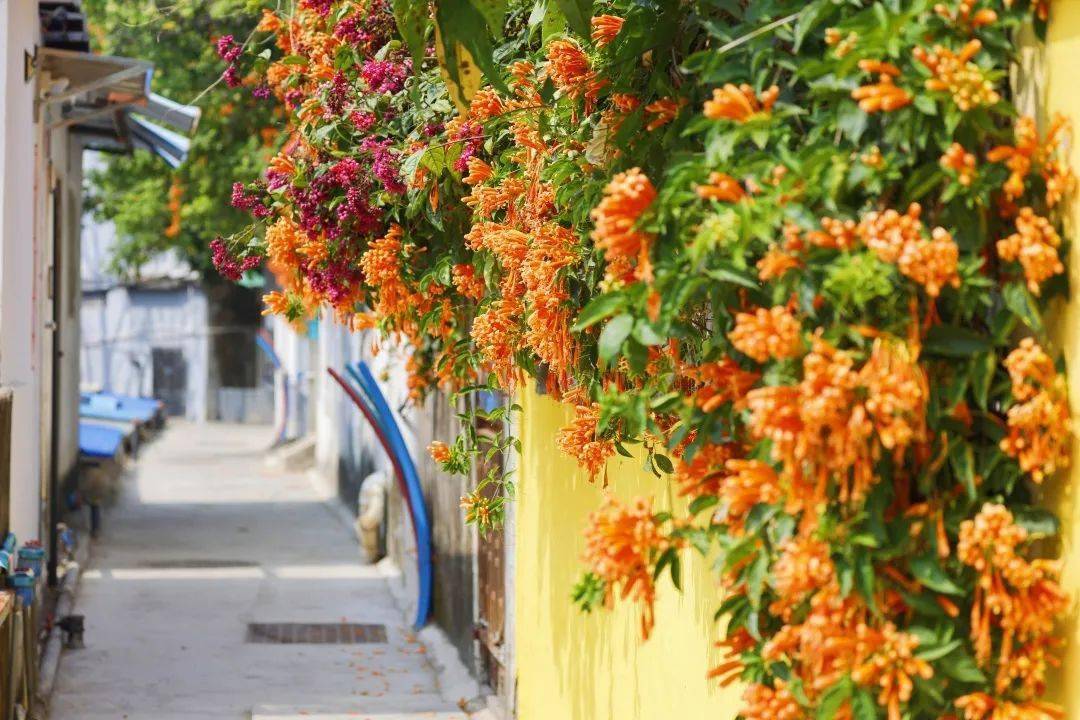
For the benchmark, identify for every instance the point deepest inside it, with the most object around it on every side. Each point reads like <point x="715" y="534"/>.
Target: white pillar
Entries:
<point x="20" y="334"/>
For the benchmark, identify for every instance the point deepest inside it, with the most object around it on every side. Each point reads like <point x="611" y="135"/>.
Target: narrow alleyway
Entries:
<point x="203" y="542"/>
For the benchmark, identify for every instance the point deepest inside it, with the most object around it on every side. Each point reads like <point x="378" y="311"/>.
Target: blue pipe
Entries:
<point x="362" y="375"/>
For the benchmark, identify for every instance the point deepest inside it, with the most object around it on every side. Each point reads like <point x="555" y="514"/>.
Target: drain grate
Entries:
<point x="197" y="563"/>
<point x="315" y="633"/>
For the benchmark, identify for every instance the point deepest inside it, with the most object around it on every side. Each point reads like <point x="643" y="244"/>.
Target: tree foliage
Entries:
<point x="139" y="192"/>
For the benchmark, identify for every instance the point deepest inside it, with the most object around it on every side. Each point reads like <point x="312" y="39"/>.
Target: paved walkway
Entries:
<point x="203" y="542"/>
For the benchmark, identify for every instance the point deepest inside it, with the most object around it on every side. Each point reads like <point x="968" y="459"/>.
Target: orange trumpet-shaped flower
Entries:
<point x="605" y="28"/>
<point x="621" y="541"/>
<point x="663" y="111"/>
<point x="721" y="187"/>
<point x="1035" y="246"/>
<point x="579" y="438"/>
<point x="740" y="103"/>
<point x="960" y="162"/>
<point x="439" y="451"/>
<point x="956" y="74"/>
<point x="767" y="333"/>
<point x="626" y="199"/>
<point x="882" y="96"/>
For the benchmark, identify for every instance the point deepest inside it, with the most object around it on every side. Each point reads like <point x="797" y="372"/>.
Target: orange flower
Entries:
<point x="439" y="451"/>
<point x="605" y="28"/>
<point x="980" y="706"/>
<point x="720" y="382"/>
<point x="835" y="234"/>
<point x="479" y="172"/>
<point x="888" y="233"/>
<point x="485" y="104"/>
<point x="1034" y="245"/>
<point x="468" y="283"/>
<point x="966" y="16"/>
<point x="955" y="74"/>
<point x="626" y="198"/>
<point x="620" y="543"/>
<point x="740" y="103"/>
<point x="775" y="263"/>
<point x="931" y="263"/>
<point x="1030" y="369"/>
<point x="884" y="95"/>
<point x="269" y="22"/>
<point x="804" y="567"/>
<point x="761" y="702"/>
<point x="721" y="187"/>
<point x="767" y="333"/>
<point x="703" y="474"/>
<point x="960" y="162"/>
<point x="748" y="483"/>
<point x="579" y="438"/>
<point x="497" y="334"/>
<point x="570" y="71"/>
<point x="1021" y="597"/>
<point x="892" y="668"/>
<point x="897" y="393"/>
<point x="1039" y="433"/>
<point x="664" y="111"/>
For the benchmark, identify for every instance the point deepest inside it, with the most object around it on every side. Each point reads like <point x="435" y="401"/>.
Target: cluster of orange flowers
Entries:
<point x="740" y="103"/>
<point x="898" y="239"/>
<point x="1039" y="423"/>
<point x="579" y="439"/>
<point x="956" y="74"/>
<point x="626" y="247"/>
<point x="821" y="428"/>
<point x="1016" y="601"/>
<point x="765" y="334"/>
<point x="621" y="544"/>
<point x="884" y="95"/>
<point x="1029" y="153"/>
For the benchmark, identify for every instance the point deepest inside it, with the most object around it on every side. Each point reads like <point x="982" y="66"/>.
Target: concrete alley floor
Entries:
<point x="204" y="541"/>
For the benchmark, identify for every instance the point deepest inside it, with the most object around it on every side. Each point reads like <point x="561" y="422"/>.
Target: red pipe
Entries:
<point x="399" y="474"/>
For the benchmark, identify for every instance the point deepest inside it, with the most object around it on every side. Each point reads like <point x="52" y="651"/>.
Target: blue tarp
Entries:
<point x="118" y="407"/>
<point x="99" y="441"/>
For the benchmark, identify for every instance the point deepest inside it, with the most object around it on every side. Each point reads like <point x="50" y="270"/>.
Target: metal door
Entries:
<point x="170" y="379"/>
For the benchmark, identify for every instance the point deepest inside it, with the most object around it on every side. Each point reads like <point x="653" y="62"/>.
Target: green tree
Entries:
<point x="229" y="145"/>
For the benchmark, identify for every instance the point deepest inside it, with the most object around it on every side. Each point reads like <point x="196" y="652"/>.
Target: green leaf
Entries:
<point x="928" y="572"/>
<point x="962" y="460"/>
<point x="955" y="342"/>
<point x="413" y="21"/>
<point x="1019" y="300"/>
<point x="982" y="375"/>
<point x="863" y="706"/>
<point x="664" y="463"/>
<point x="936" y="652"/>
<point x="599" y="307"/>
<point x="463" y="38"/>
<point x="730" y="275"/>
<point x="702" y="503"/>
<point x="1039" y="522"/>
<point x="613" y="335"/>
<point x="578" y="14"/>
<point x="962" y="667"/>
<point x="834" y="698"/>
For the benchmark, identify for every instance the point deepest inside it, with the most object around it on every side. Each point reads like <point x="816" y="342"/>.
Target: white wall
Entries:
<point x="122" y="325"/>
<point x="21" y="325"/>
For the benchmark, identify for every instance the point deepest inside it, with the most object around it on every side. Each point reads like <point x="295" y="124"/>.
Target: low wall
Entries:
<point x="576" y="666"/>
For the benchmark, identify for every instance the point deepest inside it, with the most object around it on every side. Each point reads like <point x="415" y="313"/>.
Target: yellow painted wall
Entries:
<point x="1057" y="89"/>
<point x="575" y="666"/>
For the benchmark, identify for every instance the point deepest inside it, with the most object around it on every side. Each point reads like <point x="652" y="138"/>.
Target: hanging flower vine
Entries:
<point x="796" y="251"/>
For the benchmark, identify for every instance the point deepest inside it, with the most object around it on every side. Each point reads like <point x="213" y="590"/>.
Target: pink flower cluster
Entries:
<point x="386" y="76"/>
<point x="229" y="265"/>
